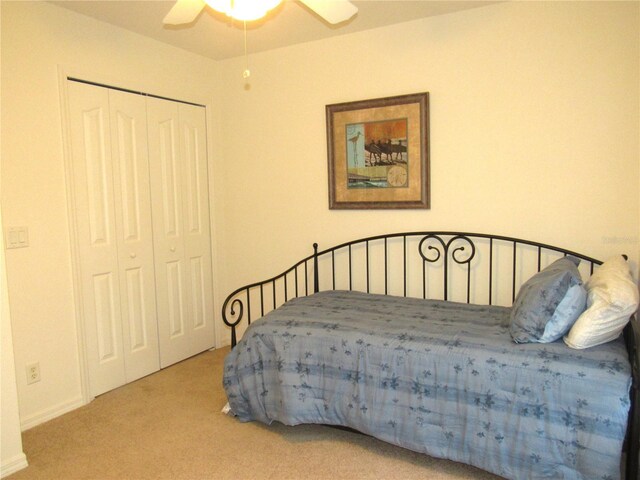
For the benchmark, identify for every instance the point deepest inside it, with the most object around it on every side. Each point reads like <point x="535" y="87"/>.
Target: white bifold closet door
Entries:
<point x="142" y="218"/>
<point x="182" y="243"/>
<point x="113" y="212"/>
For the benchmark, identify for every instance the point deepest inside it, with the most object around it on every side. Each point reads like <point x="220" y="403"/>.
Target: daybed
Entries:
<point x="343" y="340"/>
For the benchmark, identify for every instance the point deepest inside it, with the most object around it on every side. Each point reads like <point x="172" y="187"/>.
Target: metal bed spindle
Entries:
<point x="404" y="262"/>
<point x="367" y="264"/>
<point x="333" y="269"/>
<point x="386" y="267"/>
<point x="490" y="271"/>
<point x="513" y="273"/>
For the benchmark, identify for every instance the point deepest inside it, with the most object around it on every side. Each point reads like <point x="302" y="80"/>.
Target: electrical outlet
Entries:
<point x="33" y="373"/>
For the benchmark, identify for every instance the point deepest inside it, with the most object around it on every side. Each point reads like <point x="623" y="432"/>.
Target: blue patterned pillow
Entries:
<point x="548" y="303"/>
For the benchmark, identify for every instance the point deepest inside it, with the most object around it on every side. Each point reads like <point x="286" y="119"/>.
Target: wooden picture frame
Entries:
<point x="378" y="153"/>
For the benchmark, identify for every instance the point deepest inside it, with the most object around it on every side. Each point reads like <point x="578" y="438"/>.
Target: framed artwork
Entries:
<point x="378" y="153"/>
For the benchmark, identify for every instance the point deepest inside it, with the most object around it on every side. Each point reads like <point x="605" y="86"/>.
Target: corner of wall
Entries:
<point x="12" y="457"/>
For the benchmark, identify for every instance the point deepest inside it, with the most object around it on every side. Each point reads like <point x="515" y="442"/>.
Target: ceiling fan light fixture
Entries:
<point x="244" y="10"/>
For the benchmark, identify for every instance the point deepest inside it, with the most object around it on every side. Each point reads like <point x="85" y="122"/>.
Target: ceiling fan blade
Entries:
<point x="184" y="11"/>
<point x="333" y="11"/>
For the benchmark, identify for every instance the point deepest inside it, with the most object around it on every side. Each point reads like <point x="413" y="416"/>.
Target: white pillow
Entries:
<point x="612" y="297"/>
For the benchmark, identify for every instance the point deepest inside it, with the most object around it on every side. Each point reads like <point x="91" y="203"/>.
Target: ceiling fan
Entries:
<point x="186" y="11"/>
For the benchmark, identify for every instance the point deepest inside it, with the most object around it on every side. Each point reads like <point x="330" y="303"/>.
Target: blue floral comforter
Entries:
<point x="437" y="377"/>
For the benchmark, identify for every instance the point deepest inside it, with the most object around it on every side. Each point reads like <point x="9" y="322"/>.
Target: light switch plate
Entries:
<point x="17" y="237"/>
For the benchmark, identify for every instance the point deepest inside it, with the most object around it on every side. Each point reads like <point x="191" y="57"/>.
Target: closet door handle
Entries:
<point x="133" y="255"/>
<point x="173" y="249"/>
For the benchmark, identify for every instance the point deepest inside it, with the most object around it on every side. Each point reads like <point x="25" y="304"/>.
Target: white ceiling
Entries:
<point x="214" y="36"/>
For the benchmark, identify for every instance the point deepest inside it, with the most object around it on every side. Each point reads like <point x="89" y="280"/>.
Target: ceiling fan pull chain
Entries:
<point x="247" y="72"/>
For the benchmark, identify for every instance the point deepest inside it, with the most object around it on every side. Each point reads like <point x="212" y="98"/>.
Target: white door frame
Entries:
<point x="131" y="84"/>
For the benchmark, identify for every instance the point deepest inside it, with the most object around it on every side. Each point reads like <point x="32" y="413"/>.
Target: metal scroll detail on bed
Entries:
<point x="460" y="268"/>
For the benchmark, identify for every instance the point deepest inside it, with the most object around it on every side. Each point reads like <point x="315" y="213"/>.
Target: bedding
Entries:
<point x="442" y="378"/>
<point x="612" y="299"/>
<point x="549" y="303"/>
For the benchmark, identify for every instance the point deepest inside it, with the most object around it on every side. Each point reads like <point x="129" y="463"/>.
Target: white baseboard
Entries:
<point x="51" y="413"/>
<point x="12" y="465"/>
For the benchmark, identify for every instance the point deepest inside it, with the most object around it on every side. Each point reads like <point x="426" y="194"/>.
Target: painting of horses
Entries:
<point x="378" y="153"/>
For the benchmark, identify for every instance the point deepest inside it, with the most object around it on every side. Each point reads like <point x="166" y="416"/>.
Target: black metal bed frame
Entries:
<point x="471" y="258"/>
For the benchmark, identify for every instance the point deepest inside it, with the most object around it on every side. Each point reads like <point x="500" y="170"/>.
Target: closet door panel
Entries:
<point x="178" y="159"/>
<point x="168" y="230"/>
<point x="137" y="306"/>
<point x="134" y="233"/>
<point x="105" y="310"/>
<point x="197" y="232"/>
<point x="96" y="233"/>
<point x="175" y="304"/>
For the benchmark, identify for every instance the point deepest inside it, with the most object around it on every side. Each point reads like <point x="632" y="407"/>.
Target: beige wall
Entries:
<point x="12" y="458"/>
<point x="534" y="130"/>
<point x="534" y="133"/>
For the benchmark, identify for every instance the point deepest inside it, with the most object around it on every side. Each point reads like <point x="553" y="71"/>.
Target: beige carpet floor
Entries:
<point x="169" y="425"/>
